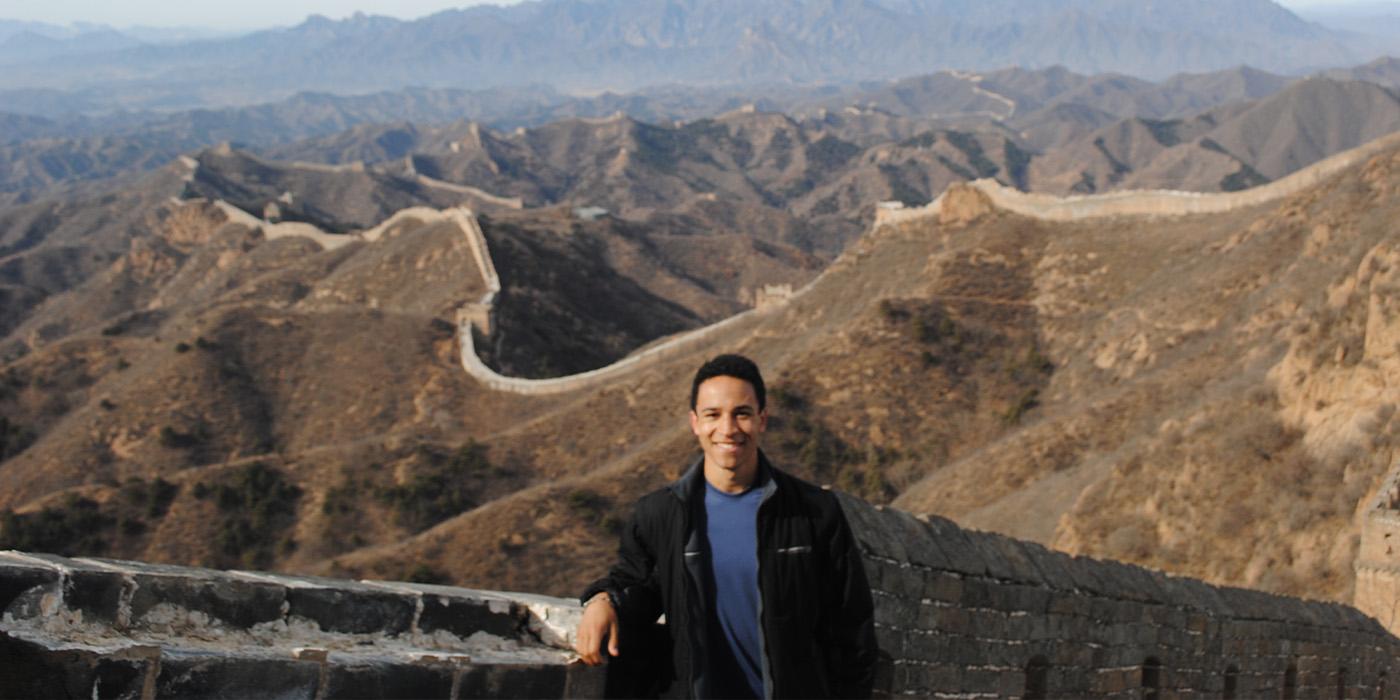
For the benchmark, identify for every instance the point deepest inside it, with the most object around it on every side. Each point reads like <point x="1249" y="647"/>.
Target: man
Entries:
<point x="756" y="571"/>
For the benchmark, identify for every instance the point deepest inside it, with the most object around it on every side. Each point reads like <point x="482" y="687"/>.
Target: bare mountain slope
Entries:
<point x="1227" y="148"/>
<point x="1207" y="395"/>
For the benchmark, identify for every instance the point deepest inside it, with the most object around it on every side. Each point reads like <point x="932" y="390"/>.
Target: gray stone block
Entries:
<point x="31" y="670"/>
<point x="908" y="582"/>
<point x="962" y="555"/>
<point x="95" y="593"/>
<point x="1052" y="565"/>
<point x="465" y="616"/>
<point x="890" y="638"/>
<point x="1197" y="594"/>
<point x="230" y="677"/>
<point x="1028" y="598"/>
<point x="91" y="588"/>
<point x="981" y="681"/>
<point x="977" y="593"/>
<point x="397" y="681"/>
<point x="501" y="681"/>
<point x="944" y="586"/>
<point x="984" y="544"/>
<point x="1087" y="576"/>
<point x="942" y="679"/>
<point x="344" y="606"/>
<point x="921" y="546"/>
<point x="235" y="602"/>
<point x="926" y="647"/>
<point x="1023" y="568"/>
<point x="18" y="577"/>
<point x="895" y="611"/>
<point x="870" y="528"/>
<point x="1137" y="583"/>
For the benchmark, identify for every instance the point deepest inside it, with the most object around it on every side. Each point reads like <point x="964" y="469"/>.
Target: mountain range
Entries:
<point x="624" y="45"/>
<point x="1210" y="395"/>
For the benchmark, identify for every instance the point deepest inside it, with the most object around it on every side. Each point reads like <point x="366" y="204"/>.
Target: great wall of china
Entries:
<point x="960" y="614"/>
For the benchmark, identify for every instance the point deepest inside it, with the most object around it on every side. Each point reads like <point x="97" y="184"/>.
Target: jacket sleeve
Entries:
<point x="853" y="653"/>
<point x="631" y="582"/>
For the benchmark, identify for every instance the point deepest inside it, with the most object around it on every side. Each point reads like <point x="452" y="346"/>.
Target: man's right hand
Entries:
<point x="599" y="622"/>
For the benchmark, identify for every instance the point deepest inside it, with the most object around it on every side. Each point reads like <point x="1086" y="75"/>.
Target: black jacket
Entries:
<point x="815" y="609"/>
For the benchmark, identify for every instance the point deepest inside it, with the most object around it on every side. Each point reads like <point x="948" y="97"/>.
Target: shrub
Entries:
<point x="1029" y="399"/>
<point x="422" y="573"/>
<point x="595" y="508"/>
<point x="256" y="505"/>
<point x="440" y="489"/>
<point x="153" y="498"/>
<point x="77" y="527"/>
<point x="14" y="438"/>
<point x="175" y="439"/>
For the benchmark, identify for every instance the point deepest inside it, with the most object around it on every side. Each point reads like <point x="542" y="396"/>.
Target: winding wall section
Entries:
<point x="478" y="313"/>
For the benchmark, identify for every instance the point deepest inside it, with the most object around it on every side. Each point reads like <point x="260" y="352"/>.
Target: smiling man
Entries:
<point x="756" y="571"/>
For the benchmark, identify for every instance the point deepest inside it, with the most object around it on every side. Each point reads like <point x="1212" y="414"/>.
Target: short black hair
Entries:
<point x="736" y="366"/>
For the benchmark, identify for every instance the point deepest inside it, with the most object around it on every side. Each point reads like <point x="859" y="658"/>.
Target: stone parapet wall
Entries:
<point x="1150" y="202"/>
<point x="114" y="629"/>
<point x="970" y="614"/>
<point x="959" y="614"/>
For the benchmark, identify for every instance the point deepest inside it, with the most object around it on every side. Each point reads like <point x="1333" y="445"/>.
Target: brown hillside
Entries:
<point x="1210" y="396"/>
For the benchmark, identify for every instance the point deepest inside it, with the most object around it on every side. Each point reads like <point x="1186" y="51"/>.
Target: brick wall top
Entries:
<point x="940" y="545"/>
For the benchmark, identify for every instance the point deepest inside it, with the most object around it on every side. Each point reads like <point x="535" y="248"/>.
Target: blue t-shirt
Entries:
<point x="732" y="528"/>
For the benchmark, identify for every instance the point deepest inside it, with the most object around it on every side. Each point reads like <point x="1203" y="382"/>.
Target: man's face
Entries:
<point x="728" y="423"/>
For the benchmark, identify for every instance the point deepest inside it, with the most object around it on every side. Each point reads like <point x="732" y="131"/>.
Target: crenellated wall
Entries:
<point x="1152" y="202"/>
<point x="972" y="614"/>
<point x="959" y="614"/>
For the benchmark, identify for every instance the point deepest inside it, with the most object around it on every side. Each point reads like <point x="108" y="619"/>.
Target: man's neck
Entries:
<point x="736" y="480"/>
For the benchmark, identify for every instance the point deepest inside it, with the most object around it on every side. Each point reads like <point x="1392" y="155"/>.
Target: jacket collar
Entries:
<point x="692" y="480"/>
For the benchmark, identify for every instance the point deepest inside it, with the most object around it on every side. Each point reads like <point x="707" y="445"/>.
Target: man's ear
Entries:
<point x="763" y="419"/>
<point x="694" y="424"/>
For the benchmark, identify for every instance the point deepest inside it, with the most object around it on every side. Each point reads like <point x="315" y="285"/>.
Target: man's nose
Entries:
<point x="729" y="424"/>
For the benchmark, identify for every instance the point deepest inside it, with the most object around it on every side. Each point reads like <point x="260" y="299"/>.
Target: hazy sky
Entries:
<point x="248" y="14"/>
<point x="221" y="14"/>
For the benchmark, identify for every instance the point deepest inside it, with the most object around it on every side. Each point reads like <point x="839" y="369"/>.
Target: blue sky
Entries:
<point x="251" y="14"/>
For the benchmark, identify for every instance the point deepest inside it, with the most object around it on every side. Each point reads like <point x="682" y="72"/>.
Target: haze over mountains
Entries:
<point x="623" y="45"/>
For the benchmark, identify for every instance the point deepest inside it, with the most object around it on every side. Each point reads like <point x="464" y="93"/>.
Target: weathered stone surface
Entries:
<point x="95" y="593"/>
<point x="234" y="602"/>
<point x="984" y="545"/>
<point x="231" y="677"/>
<point x="352" y="612"/>
<point x="389" y="681"/>
<point x="963" y="556"/>
<point x="867" y="525"/>
<point x="1023" y="569"/>
<point x="500" y="681"/>
<point x="920" y="549"/>
<point x="91" y="588"/>
<point x="30" y="670"/>
<point x="461" y="611"/>
<point x="18" y="577"/>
